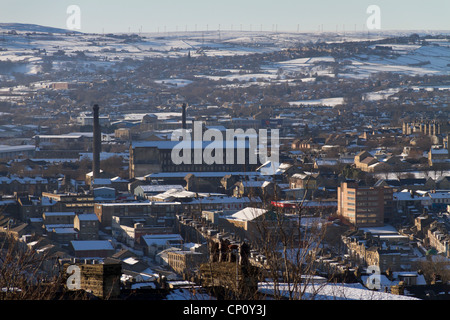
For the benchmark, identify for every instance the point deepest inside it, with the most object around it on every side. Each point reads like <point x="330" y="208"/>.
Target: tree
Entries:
<point x="289" y="244"/>
<point x="22" y="275"/>
<point x="435" y="266"/>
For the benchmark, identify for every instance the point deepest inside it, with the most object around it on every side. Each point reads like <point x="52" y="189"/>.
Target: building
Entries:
<point x="365" y="161"/>
<point x="156" y="243"/>
<point x="61" y="142"/>
<point x="19" y="151"/>
<point x="30" y="185"/>
<point x="431" y="128"/>
<point x="438" y="200"/>
<point x="438" y="156"/>
<point x="130" y="230"/>
<point x="147" y="191"/>
<point x="384" y="250"/>
<point x="87" y="226"/>
<point x="365" y="206"/>
<point x="58" y="218"/>
<point x="439" y="238"/>
<point x="92" y="249"/>
<point x="105" y="211"/>
<point x="72" y="202"/>
<point x="102" y="280"/>
<point x="147" y="157"/>
<point x="185" y="261"/>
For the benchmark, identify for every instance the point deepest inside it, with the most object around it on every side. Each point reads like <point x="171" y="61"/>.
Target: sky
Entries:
<point x="111" y="16"/>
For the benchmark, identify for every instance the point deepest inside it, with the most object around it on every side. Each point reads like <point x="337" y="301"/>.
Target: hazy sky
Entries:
<point x="283" y="15"/>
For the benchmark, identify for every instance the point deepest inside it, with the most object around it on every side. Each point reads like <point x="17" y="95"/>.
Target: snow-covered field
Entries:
<point x="27" y="51"/>
<point x="329" y="102"/>
<point x="412" y="60"/>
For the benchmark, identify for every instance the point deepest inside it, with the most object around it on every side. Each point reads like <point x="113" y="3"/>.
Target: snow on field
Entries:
<point x="416" y="174"/>
<point x="242" y="77"/>
<point x="174" y="82"/>
<point x="330" y="102"/>
<point x="413" y="60"/>
<point x="382" y="94"/>
<point x="310" y="65"/>
<point x="28" y="51"/>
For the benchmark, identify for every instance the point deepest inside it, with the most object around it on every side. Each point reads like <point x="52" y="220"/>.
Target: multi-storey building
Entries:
<point x="160" y="210"/>
<point x="87" y="226"/>
<point x="365" y="206"/>
<point x="185" y="261"/>
<point x="148" y="157"/>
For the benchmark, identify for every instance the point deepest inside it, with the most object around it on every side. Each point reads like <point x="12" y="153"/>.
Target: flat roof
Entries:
<point x="91" y="245"/>
<point x="49" y="214"/>
<point x="185" y="144"/>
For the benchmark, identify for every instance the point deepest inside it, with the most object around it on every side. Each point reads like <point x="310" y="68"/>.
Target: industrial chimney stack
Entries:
<point x="183" y="116"/>
<point x="96" y="147"/>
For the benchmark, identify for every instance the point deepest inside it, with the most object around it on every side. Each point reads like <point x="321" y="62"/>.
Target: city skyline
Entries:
<point x="285" y="15"/>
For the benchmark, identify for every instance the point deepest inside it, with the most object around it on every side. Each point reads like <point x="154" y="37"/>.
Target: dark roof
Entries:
<point x="402" y="182"/>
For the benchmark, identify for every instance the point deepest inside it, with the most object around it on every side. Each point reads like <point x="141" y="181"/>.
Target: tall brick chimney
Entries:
<point x="97" y="144"/>
<point x="183" y="116"/>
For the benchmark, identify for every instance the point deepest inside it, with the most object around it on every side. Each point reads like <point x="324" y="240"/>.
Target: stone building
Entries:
<point x="366" y="249"/>
<point x="147" y="157"/>
<point x="91" y="249"/>
<point x="101" y="280"/>
<point x="185" y="262"/>
<point x="87" y="226"/>
<point x="164" y="210"/>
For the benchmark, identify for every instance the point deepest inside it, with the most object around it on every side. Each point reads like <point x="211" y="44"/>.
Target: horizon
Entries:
<point x="181" y="32"/>
<point x="117" y="16"/>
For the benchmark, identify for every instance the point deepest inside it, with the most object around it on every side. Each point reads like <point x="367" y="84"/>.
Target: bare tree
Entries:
<point x="22" y="274"/>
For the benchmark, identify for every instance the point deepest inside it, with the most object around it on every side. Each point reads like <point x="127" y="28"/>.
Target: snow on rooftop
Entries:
<point x="385" y="230"/>
<point x="81" y="245"/>
<point x="248" y="214"/>
<point x="88" y="217"/>
<point x="54" y="214"/>
<point x="331" y="291"/>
